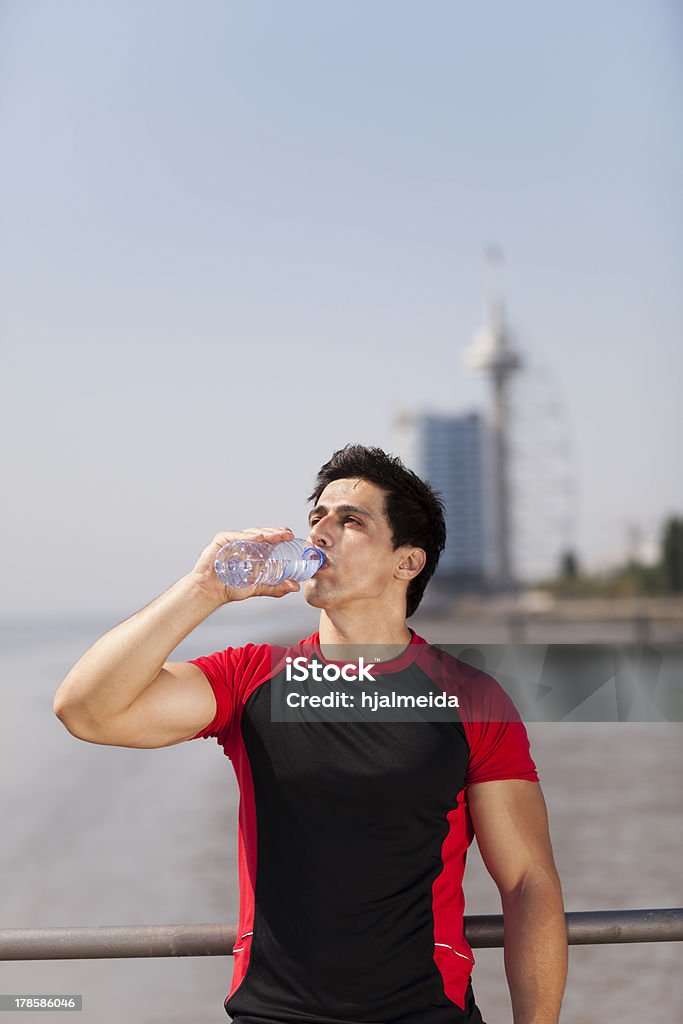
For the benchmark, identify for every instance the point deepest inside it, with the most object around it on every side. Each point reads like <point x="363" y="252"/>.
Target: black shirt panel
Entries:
<point x="351" y="818"/>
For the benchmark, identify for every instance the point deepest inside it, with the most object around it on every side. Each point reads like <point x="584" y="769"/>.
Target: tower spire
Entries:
<point x="492" y="353"/>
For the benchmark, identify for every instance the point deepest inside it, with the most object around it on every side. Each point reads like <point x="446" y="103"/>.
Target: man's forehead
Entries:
<point x="353" y="490"/>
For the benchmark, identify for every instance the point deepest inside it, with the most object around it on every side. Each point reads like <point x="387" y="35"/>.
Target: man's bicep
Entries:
<point x="177" y="704"/>
<point x="511" y="825"/>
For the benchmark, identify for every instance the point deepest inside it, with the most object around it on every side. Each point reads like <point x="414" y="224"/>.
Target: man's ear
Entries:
<point x="412" y="562"/>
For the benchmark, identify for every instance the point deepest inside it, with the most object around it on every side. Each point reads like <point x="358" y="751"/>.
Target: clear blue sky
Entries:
<point x="236" y="236"/>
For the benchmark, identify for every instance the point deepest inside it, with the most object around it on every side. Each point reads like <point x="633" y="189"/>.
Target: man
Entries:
<point x="352" y="834"/>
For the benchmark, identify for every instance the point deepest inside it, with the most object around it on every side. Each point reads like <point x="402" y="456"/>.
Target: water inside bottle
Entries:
<point x="304" y="568"/>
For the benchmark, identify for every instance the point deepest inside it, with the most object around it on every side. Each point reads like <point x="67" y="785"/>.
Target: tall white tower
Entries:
<point x="492" y="353"/>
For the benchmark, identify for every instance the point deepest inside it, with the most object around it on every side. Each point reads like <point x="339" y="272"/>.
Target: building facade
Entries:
<point x="451" y="452"/>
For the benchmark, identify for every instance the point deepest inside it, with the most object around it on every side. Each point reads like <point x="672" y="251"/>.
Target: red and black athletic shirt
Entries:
<point x="352" y="842"/>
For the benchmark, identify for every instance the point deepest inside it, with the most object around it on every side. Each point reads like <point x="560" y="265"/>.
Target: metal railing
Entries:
<point x="485" y="931"/>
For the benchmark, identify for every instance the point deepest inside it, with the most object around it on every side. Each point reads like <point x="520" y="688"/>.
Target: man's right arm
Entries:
<point x="124" y="692"/>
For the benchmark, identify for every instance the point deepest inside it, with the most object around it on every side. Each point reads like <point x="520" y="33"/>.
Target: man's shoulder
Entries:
<point x="445" y="659"/>
<point x="455" y="668"/>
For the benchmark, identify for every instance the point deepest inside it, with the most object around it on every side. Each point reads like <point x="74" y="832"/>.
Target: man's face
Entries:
<point x="349" y="524"/>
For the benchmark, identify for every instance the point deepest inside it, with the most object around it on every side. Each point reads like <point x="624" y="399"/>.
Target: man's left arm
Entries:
<point x="511" y="825"/>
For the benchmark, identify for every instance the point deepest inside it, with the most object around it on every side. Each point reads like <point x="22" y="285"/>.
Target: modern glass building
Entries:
<point x="451" y="453"/>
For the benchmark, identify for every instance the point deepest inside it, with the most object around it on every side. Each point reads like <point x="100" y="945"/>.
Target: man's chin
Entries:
<point x="313" y="597"/>
<point x="313" y="594"/>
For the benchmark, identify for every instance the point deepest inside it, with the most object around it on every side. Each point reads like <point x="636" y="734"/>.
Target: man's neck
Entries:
<point x="339" y="629"/>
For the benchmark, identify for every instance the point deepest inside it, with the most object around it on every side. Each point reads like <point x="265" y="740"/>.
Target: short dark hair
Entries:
<point x="414" y="510"/>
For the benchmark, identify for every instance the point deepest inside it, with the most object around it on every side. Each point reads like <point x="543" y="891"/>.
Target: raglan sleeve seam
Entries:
<point x="219" y="670"/>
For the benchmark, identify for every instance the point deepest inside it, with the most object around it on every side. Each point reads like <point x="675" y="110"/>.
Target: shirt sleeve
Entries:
<point x="498" y="740"/>
<point x="232" y="673"/>
<point x="219" y="669"/>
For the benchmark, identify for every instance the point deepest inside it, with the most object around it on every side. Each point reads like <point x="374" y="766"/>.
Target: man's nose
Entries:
<point x="320" y="534"/>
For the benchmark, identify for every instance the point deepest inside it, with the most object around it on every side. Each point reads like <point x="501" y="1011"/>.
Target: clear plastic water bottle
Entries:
<point x="243" y="563"/>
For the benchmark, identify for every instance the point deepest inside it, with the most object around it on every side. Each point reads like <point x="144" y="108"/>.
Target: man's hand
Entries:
<point x="205" y="575"/>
